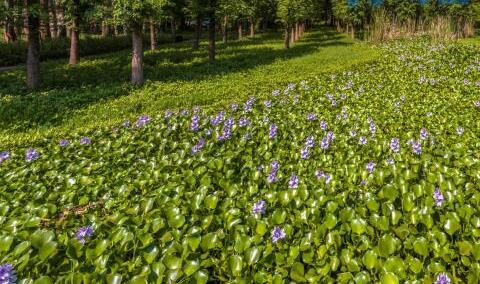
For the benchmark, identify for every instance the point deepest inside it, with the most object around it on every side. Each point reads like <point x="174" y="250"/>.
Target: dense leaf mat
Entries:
<point x="369" y="175"/>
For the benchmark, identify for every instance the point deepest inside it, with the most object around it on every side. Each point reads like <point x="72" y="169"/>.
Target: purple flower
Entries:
<point x="83" y="233"/>
<point x="370" y="167"/>
<point x="311" y="116"/>
<point x="195" y="123"/>
<point x="353" y="133"/>
<point x="242" y="122"/>
<point x="31" y="155"/>
<point x="343" y="96"/>
<point x="217" y="119"/>
<point x="275" y="93"/>
<point x="168" y="114"/>
<point x="142" y="121"/>
<point x="248" y="105"/>
<point x="323" y="125"/>
<point x="293" y="182"/>
<point x="372" y="128"/>
<point x="396" y="105"/>
<point x="259" y="207"/>
<point x="325" y="144"/>
<point x="234" y="107"/>
<point x="7" y="274"/>
<point x="395" y="145"/>
<point x="63" y="143"/>
<point x="266" y="119"/>
<point x="227" y="129"/>
<point x="199" y="146"/>
<point x="466" y="82"/>
<point x="423" y="134"/>
<point x="184" y="112"/>
<point x="260" y="168"/>
<point x="278" y="234"/>
<point x="438" y="196"/>
<point x="334" y="102"/>
<point x="305" y="154"/>
<point x="5" y="155"/>
<point x="126" y="123"/>
<point x="390" y="161"/>
<point x="460" y="130"/>
<point x="416" y="147"/>
<point x="268" y="104"/>
<point x="320" y="174"/>
<point x="442" y="278"/>
<point x="362" y="140"/>
<point x="85" y="141"/>
<point x="272" y="131"/>
<point x="402" y="98"/>
<point x="272" y="176"/>
<point x="310" y="142"/>
<point x="330" y="136"/>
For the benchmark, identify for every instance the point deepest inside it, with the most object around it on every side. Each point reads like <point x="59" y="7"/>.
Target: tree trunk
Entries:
<point x="225" y="30"/>
<point x="252" y="26"/>
<point x="115" y="30"/>
<point x="74" y="42"/>
<point x="353" y="32"/>
<point x="174" y="29"/>
<point x="287" y="36"/>
<point x="62" y="28"/>
<point x="152" y="35"/>
<point x="33" y="55"/>
<point x="211" y="31"/>
<point x="10" y="35"/>
<point x="292" y="35"/>
<point x="198" y="32"/>
<point x="297" y="31"/>
<point x="53" y="18"/>
<point x="105" y="29"/>
<point x="240" y="30"/>
<point x="137" y="56"/>
<point x="44" y="21"/>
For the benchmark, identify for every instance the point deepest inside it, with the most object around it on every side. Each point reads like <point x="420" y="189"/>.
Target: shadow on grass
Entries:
<point x="67" y="88"/>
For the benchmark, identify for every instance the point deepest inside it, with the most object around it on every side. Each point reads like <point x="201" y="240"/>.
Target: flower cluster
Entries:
<point x="194" y="125"/>
<point x="293" y="182"/>
<point x="272" y="132"/>
<point x="84" y="233"/>
<point x="272" y="176"/>
<point x="199" y="146"/>
<point x="259" y="208"/>
<point x="278" y="234"/>
<point x="142" y="121"/>
<point x="7" y="274"/>
<point x="31" y="154"/>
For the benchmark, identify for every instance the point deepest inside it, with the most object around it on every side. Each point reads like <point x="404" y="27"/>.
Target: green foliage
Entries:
<point x="161" y="214"/>
<point x="135" y="12"/>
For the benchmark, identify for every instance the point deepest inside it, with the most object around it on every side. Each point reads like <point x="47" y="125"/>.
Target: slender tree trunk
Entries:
<point x="152" y="35"/>
<point x="105" y="29"/>
<point x="25" y="18"/>
<point x="44" y="21"/>
<point x="198" y="32"/>
<point x="62" y="28"/>
<point x="115" y="30"/>
<point x="137" y="56"/>
<point x="74" y="42"/>
<point x="297" y="31"/>
<point x="10" y="35"/>
<point x="225" y="30"/>
<point x="252" y="26"/>
<point x="174" y="28"/>
<point x="240" y="30"/>
<point x="353" y="31"/>
<point x="212" y="31"/>
<point x="287" y="36"/>
<point x="33" y="55"/>
<point x="53" y="18"/>
<point x="292" y="35"/>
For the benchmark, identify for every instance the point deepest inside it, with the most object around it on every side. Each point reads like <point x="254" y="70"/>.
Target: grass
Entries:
<point x="96" y="93"/>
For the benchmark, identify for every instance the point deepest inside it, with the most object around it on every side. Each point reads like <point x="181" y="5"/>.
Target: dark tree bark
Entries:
<point x="225" y="30"/>
<point x="198" y="31"/>
<point x="10" y="34"/>
<point x="74" y="42"/>
<point x="212" y="31"/>
<point x="53" y="18"/>
<point x="152" y="35"/>
<point x="240" y="30"/>
<point x="44" y="21"/>
<point x="252" y="26"/>
<point x="286" y="41"/>
<point x="33" y="55"/>
<point x="137" y="56"/>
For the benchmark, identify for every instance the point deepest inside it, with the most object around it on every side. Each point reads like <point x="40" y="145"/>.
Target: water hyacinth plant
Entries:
<point x="7" y="274"/>
<point x="200" y="193"/>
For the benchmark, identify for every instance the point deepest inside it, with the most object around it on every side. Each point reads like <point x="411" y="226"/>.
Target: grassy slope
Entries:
<point x="95" y="93"/>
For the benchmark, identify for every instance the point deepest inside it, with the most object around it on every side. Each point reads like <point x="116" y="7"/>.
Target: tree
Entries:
<point x="212" y="7"/>
<point x="75" y="11"/>
<point x="196" y="10"/>
<point x="286" y="15"/>
<point x="33" y="55"/>
<point x="7" y="13"/>
<point x="134" y="13"/>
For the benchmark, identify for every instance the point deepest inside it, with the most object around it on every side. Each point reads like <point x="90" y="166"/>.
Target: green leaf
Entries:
<point x="236" y="264"/>
<point x="298" y="272"/>
<point x="386" y="245"/>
